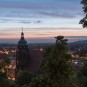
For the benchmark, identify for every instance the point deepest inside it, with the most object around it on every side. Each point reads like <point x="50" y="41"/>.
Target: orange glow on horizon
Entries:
<point x="46" y="33"/>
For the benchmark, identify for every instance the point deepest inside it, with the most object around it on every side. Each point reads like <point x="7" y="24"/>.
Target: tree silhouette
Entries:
<point x="84" y="20"/>
<point x="56" y="70"/>
<point x="56" y="67"/>
<point x="4" y="82"/>
<point x="24" y="78"/>
<point x="4" y="63"/>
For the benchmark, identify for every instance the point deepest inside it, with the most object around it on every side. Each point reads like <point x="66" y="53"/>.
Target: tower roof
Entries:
<point x="22" y="41"/>
<point x="22" y="33"/>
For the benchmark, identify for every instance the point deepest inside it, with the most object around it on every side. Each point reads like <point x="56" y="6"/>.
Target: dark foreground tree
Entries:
<point x="83" y="76"/>
<point x="84" y="20"/>
<point x="4" y="82"/>
<point x="24" y="78"/>
<point x="56" y="70"/>
<point x="4" y="63"/>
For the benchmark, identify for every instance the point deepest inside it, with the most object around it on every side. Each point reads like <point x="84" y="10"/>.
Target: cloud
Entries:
<point x="25" y="22"/>
<point x="60" y="15"/>
<point x="1" y="33"/>
<point x="38" y="21"/>
<point x="45" y="5"/>
<point x="51" y="8"/>
<point x="40" y="13"/>
<point x="28" y="22"/>
<point x="5" y="20"/>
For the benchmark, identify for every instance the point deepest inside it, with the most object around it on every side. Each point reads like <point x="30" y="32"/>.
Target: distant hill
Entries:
<point x="83" y="41"/>
<point x="78" y="45"/>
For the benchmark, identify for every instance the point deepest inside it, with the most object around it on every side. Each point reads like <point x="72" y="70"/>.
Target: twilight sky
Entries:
<point x="41" y="18"/>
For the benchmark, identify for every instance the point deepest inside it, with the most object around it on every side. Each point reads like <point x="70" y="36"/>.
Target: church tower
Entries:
<point x="22" y="54"/>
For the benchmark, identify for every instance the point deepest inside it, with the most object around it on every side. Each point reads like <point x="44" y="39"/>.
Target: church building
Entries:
<point x="22" y="54"/>
<point x="27" y="58"/>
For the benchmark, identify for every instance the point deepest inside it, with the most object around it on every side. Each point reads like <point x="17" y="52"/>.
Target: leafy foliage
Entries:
<point x="84" y="20"/>
<point x="83" y="76"/>
<point x="39" y="81"/>
<point x="5" y="62"/>
<point x="24" y="78"/>
<point x="56" y="70"/>
<point x="56" y="67"/>
<point x="4" y="82"/>
<point x="3" y="75"/>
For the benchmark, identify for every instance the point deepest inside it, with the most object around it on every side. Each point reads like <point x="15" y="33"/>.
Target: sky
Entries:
<point x="41" y="18"/>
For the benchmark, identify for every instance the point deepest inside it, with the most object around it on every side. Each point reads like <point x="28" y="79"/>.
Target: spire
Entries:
<point x="22" y="34"/>
<point x="22" y="29"/>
